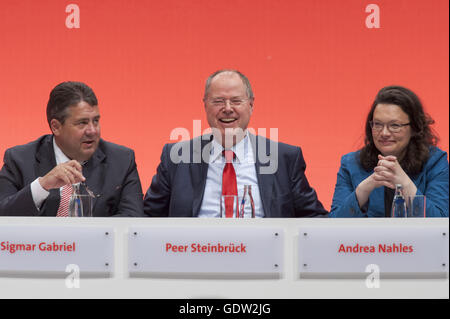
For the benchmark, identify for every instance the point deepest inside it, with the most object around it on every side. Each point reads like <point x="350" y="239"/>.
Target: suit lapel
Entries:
<point x="45" y="162"/>
<point x="95" y="172"/>
<point x="199" y="171"/>
<point x="45" y="157"/>
<point x="265" y="181"/>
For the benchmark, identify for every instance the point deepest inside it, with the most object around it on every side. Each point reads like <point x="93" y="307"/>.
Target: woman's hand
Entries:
<point x="390" y="170"/>
<point x="387" y="173"/>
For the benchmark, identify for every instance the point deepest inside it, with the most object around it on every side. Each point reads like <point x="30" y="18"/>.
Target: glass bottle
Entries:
<point x="247" y="207"/>
<point x="398" y="204"/>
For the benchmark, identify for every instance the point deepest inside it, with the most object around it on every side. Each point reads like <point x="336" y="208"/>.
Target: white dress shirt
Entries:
<point x="244" y="166"/>
<point x="38" y="193"/>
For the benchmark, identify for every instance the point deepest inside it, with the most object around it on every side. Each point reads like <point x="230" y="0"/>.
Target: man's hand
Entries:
<point x="63" y="174"/>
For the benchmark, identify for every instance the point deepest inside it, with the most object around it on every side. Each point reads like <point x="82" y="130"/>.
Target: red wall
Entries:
<point x="314" y="65"/>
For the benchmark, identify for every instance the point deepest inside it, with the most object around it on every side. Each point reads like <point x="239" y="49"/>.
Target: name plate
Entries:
<point x="385" y="251"/>
<point x="211" y="252"/>
<point x="55" y="251"/>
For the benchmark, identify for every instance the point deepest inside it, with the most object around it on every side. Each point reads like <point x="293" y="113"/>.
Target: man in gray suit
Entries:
<point x="190" y="179"/>
<point x="36" y="177"/>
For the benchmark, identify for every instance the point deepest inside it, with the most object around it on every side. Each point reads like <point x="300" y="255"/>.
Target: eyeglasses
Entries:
<point x="392" y="127"/>
<point x="221" y="102"/>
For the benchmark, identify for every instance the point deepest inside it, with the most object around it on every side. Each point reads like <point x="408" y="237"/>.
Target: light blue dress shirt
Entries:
<point x="244" y="166"/>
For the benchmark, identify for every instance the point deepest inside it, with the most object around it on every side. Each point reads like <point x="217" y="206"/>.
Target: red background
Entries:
<point x="314" y="66"/>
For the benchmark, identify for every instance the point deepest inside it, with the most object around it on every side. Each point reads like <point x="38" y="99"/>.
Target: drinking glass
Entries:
<point x="81" y="201"/>
<point x="416" y="206"/>
<point x="229" y="203"/>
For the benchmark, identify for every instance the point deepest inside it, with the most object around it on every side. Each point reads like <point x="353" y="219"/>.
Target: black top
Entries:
<point x="388" y="198"/>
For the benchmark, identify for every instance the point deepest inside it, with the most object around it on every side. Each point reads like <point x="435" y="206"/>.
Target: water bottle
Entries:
<point x="247" y="207"/>
<point x="75" y="205"/>
<point x="398" y="204"/>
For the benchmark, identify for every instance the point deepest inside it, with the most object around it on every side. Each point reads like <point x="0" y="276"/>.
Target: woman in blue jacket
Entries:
<point x="399" y="148"/>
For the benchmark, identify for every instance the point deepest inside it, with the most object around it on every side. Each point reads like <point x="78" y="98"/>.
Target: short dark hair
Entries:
<point x="422" y="136"/>
<point x="241" y="75"/>
<point x="68" y="94"/>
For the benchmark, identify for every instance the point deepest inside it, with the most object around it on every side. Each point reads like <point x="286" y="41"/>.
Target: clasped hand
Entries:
<point x="388" y="172"/>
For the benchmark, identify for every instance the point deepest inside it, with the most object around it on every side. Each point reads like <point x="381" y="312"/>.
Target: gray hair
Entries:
<point x="242" y="76"/>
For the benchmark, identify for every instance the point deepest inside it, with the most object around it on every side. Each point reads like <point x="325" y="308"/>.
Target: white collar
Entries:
<point x="59" y="155"/>
<point x="242" y="150"/>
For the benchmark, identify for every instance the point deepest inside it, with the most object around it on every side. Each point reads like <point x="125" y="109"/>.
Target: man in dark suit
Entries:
<point x="36" y="179"/>
<point x="190" y="179"/>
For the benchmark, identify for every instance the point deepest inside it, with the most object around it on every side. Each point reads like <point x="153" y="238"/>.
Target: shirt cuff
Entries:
<point x="38" y="193"/>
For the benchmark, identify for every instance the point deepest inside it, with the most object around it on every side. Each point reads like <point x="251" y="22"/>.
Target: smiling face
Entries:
<point x="386" y="142"/>
<point x="79" y="135"/>
<point x="227" y="105"/>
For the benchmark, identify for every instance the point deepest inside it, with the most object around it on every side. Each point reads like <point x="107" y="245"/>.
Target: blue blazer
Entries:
<point x="431" y="182"/>
<point x="177" y="188"/>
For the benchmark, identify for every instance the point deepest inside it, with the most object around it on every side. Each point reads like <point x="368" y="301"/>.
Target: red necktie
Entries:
<point x="229" y="184"/>
<point x="66" y="193"/>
